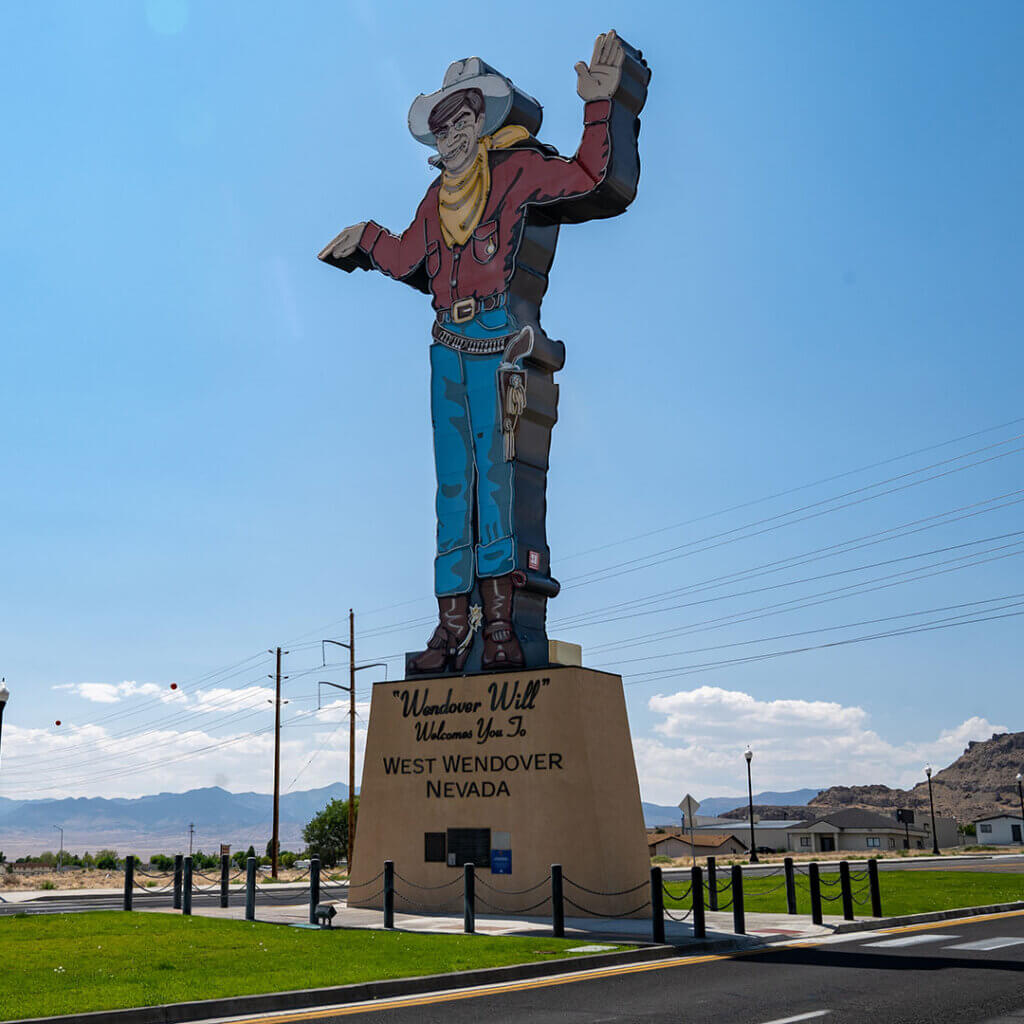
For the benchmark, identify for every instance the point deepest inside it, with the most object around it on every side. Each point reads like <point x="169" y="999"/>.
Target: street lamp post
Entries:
<point x="1020" y="796"/>
<point x="931" y="804"/>
<point x="4" y="694"/>
<point x="60" y="854"/>
<point x="749" y="755"/>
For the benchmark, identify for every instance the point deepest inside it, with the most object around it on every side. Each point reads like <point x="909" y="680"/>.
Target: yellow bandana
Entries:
<point x="463" y="198"/>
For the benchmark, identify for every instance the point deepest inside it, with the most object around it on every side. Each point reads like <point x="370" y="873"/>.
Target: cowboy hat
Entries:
<point x="471" y="73"/>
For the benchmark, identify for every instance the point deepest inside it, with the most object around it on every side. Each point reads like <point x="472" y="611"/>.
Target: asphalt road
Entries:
<point x="962" y="972"/>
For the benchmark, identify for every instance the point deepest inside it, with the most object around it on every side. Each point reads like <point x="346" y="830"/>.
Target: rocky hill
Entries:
<point x="980" y="782"/>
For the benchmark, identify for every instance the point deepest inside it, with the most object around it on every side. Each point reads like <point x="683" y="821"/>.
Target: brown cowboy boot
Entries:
<point x="446" y="645"/>
<point x="501" y="645"/>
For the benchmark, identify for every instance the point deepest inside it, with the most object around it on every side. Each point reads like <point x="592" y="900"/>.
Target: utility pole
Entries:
<point x="60" y="855"/>
<point x="4" y="696"/>
<point x="353" y="668"/>
<point x="277" y="767"/>
<point x="351" y="739"/>
<point x="191" y="833"/>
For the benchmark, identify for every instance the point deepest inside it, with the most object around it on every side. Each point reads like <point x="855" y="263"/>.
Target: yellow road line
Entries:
<point x="596" y="974"/>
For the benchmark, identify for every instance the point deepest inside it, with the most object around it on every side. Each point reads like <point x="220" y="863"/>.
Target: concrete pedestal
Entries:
<point x="513" y="772"/>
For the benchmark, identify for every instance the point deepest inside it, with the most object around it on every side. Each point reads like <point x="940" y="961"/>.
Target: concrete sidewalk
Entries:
<point x="760" y="927"/>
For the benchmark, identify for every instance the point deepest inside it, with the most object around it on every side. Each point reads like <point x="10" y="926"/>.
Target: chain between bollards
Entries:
<point x="179" y="861"/>
<point x="847" y="890"/>
<point x="314" y="887"/>
<point x="739" y="921"/>
<point x="250" y="889"/>
<point x="186" y="888"/>
<point x="876" y="890"/>
<point x="469" y="898"/>
<point x="557" y="903"/>
<point x="657" y="907"/>
<point x="389" y="894"/>
<point x="814" y="882"/>
<point x="790" y="885"/>
<point x="697" y="901"/>
<point x="129" y="880"/>
<point x="225" y="876"/>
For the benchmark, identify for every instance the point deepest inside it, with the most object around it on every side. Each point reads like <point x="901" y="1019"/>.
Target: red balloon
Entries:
<point x="57" y="722"/>
<point x="174" y="686"/>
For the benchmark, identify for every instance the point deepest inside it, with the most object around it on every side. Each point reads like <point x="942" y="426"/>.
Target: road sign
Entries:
<point x="689" y="807"/>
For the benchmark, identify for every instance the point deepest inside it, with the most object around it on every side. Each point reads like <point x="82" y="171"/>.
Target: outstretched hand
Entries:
<point x="345" y="243"/>
<point x="601" y="79"/>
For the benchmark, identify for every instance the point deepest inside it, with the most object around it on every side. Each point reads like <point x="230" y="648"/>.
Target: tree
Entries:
<point x="238" y="857"/>
<point x="327" y="833"/>
<point x="106" y="860"/>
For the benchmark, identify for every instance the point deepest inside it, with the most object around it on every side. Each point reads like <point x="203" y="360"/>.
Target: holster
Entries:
<point x="512" y="387"/>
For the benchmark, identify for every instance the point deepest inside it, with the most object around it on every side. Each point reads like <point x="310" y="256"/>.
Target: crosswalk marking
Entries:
<point x="802" y="1016"/>
<point x="986" y="945"/>
<point x="911" y="940"/>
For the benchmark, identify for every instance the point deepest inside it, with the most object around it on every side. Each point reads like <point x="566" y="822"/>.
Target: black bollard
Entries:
<point x="129" y="880"/>
<point x="314" y="887"/>
<point x="739" y="921"/>
<point x="815" y="885"/>
<point x="844" y="884"/>
<point x="469" y="898"/>
<point x="657" y="908"/>
<point x="225" y="878"/>
<point x="712" y="884"/>
<point x="250" y="889"/>
<point x="389" y="894"/>
<point x="557" y="903"/>
<point x="697" y="900"/>
<point x="876" y="889"/>
<point x="178" y="860"/>
<point x="790" y="886"/>
<point x="186" y="888"/>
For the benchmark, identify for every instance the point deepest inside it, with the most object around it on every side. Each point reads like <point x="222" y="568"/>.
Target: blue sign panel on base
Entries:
<point x="501" y="862"/>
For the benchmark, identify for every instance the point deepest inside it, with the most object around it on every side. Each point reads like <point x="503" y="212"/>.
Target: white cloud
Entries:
<point x="113" y="693"/>
<point x="699" y="741"/>
<point x="93" y="760"/>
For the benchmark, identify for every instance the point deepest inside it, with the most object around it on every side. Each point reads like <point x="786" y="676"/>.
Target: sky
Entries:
<point x="790" y="416"/>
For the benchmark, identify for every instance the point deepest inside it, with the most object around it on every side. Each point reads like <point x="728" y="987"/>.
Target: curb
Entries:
<point x="875" y="923"/>
<point x="302" y="999"/>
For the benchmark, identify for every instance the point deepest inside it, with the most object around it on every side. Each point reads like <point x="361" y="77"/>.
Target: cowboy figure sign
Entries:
<point x="481" y="244"/>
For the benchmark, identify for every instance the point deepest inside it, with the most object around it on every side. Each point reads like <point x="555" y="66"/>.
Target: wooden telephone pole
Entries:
<point x="275" y="837"/>
<point x="353" y="668"/>
<point x="351" y="739"/>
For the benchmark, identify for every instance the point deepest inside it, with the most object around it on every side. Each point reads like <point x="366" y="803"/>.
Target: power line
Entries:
<point x="791" y="490"/>
<point x="1011" y="598"/>
<point x="684" y="670"/>
<point x="727" y="536"/>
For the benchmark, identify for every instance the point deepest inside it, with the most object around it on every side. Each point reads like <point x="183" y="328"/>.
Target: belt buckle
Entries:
<point x="463" y="311"/>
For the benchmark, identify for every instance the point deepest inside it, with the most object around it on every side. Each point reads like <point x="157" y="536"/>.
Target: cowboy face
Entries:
<point x="457" y="139"/>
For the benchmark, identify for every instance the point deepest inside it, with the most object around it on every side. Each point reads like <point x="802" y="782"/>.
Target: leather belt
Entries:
<point x="463" y="310"/>
<point x="471" y="346"/>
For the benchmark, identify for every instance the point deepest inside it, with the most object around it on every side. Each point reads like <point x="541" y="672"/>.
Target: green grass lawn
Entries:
<point x="74" y="963"/>
<point x="903" y="892"/>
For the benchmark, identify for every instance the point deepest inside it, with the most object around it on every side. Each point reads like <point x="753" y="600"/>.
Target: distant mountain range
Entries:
<point x="160" y="823"/>
<point x="712" y="807"/>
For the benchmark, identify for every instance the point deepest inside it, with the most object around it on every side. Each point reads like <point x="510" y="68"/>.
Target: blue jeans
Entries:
<point x="472" y="474"/>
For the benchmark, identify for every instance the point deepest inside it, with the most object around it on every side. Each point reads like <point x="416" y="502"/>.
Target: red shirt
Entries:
<point x="520" y="178"/>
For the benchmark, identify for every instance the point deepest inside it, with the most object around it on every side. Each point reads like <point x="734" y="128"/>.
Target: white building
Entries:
<point x="999" y="830"/>
<point x="852" y="829"/>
